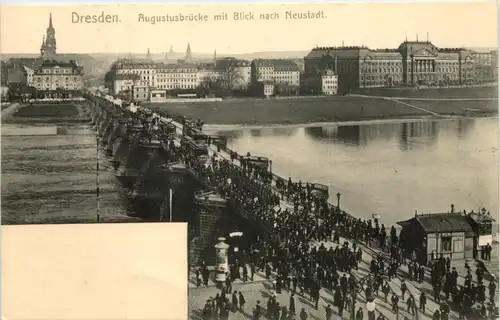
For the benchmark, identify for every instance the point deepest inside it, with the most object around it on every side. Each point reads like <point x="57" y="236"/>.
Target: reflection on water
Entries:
<point x="52" y="179"/>
<point x="392" y="169"/>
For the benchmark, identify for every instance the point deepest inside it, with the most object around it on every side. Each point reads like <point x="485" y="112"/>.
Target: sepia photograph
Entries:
<point x="327" y="161"/>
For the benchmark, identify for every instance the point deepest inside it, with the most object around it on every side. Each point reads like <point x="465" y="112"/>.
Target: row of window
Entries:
<point x="57" y="85"/>
<point x="39" y="79"/>
<point x="176" y="80"/>
<point x="330" y="81"/>
<point x="59" y="71"/>
<point x="176" y="86"/>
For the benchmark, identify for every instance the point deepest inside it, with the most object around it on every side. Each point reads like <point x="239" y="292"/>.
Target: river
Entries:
<point x="52" y="178"/>
<point x="391" y="169"/>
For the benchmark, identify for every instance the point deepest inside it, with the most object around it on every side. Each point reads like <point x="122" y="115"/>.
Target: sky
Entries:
<point x="379" y="25"/>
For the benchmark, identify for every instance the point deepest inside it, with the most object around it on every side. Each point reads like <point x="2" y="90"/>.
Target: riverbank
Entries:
<point x="490" y="91"/>
<point x="252" y="112"/>
<point x="35" y="114"/>
<point x="231" y="127"/>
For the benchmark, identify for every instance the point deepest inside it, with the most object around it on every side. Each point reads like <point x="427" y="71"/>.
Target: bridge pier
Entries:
<point x="174" y="176"/>
<point x="137" y="157"/>
<point x="114" y="139"/>
<point x="100" y="114"/>
<point x="146" y="193"/>
<point x="213" y="222"/>
<point x="110" y="127"/>
<point x="106" y="121"/>
<point x="94" y="112"/>
<point x="123" y="149"/>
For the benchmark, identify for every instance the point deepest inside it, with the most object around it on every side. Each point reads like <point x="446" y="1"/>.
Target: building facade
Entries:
<point x="428" y="236"/>
<point x="279" y="71"/>
<point x="321" y="83"/>
<point x="58" y="76"/>
<point x="412" y="63"/>
<point x="229" y="73"/>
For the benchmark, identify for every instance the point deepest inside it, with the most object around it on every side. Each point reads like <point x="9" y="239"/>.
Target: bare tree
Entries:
<point x="229" y="76"/>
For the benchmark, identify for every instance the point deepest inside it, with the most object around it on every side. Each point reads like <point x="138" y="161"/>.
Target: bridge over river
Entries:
<point x="174" y="172"/>
<point x="167" y="167"/>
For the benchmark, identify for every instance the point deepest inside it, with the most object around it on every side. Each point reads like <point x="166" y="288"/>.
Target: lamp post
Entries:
<point x="338" y="200"/>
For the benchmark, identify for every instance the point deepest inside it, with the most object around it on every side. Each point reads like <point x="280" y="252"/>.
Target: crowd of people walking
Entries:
<point x="293" y="247"/>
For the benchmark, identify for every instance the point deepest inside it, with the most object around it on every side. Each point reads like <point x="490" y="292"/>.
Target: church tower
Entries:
<point x="49" y="46"/>
<point x="215" y="57"/>
<point x="188" y="56"/>
<point x="148" y="55"/>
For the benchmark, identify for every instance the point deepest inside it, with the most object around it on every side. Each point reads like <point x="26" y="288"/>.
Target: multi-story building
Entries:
<point x="234" y="73"/>
<point x="58" y="76"/>
<point x="29" y="74"/>
<point x="412" y="63"/>
<point x="486" y="65"/>
<point x="182" y="75"/>
<point x="145" y="70"/>
<point x="494" y="65"/>
<point x="125" y="74"/>
<point x="124" y="83"/>
<point x="279" y="71"/>
<point x="324" y="82"/>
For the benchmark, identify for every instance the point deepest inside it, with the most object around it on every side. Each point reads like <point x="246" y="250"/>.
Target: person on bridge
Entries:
<point x="423" y="301"/>
<point x="328" y="312"/>
<point x="359" y="314"/>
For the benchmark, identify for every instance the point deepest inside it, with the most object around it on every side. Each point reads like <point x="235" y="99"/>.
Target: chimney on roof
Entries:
<point x="452" y="208"/>
<point x="417" y="37"/>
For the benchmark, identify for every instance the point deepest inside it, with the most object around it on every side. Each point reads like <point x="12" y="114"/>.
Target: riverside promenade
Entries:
<point x="260" y="288"/>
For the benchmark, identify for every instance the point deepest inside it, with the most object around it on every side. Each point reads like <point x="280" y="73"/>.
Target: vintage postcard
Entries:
<point x="315" y="161"/>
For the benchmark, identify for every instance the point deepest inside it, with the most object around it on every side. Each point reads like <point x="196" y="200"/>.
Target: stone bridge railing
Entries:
<point x="144" y="115"/>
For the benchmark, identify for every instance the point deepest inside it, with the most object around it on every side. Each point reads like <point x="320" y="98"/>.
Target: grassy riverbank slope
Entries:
<point x="324" y="109"/>
<point x="434" y="93"/>
<point x="46" y="114"/>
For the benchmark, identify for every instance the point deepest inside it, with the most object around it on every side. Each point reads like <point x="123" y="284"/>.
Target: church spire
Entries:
<point x="49" y="42"/>
<point x="148" y="55"/>
<point x="188" y="53"/>
<point x="215" y="56"/>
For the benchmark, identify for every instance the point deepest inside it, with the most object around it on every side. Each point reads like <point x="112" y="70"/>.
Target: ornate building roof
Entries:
<point x="277" y="64"/>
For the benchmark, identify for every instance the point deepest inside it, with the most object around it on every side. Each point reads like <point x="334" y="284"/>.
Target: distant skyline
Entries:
<point x="380" y="25"/>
